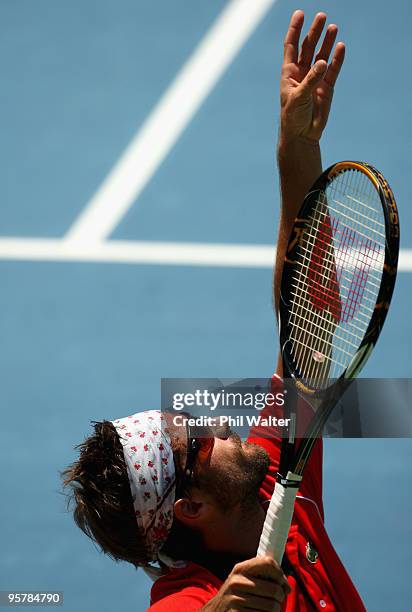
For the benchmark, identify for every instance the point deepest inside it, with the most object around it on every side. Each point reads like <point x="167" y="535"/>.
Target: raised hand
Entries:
<point x="306" y="87"/>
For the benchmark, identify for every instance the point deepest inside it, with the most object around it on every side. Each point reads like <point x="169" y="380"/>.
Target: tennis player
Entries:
<point x="149" y="491"/>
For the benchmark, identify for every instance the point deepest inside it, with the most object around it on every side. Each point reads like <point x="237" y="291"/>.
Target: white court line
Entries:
<point x="156" y="253"/>
<point x="168" y="120"/>
<point x="139" y="252"/>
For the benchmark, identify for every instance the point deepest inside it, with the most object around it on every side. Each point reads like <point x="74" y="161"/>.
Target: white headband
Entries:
<point x="149" y="460"/>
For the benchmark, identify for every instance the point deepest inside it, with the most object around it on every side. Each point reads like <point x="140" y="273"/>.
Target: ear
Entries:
<point x="192" y="511"/>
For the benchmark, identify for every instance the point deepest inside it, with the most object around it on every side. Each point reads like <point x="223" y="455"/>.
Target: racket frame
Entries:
<point x="387" y="282"/>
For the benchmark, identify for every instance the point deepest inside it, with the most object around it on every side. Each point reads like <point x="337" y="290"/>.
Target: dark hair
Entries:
<point x="100" y="490"/>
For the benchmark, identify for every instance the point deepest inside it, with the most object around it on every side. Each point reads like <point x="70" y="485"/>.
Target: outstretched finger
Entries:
<point x="335" y="65"/>
<point x="311" y="40"/>
<point x="291" y="44"/>
<point x="328" y="42"/>
<point x="311" y="80"/>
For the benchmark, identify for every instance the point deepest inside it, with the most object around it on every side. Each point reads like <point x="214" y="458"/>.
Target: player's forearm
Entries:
<point x="299" y="164"/>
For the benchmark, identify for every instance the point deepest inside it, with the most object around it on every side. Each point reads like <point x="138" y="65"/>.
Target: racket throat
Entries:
<point x="292" y="428"/>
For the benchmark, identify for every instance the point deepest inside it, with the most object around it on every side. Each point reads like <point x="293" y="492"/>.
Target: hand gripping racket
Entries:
<point x="337" y="282"/>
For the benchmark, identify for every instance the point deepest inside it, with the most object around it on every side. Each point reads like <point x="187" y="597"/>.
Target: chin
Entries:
<point x="257" y="462"/>
<point x="255" y="449"/>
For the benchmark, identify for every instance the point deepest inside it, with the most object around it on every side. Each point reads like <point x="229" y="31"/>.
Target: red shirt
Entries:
<point x="323" y="585"/>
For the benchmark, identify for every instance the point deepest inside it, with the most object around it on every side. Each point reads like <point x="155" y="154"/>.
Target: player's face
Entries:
<point x="234" y="470"/>
<point x="229" y="470"/>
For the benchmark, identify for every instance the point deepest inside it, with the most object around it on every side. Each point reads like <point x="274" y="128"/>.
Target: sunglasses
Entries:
<point x="198" y="446"/>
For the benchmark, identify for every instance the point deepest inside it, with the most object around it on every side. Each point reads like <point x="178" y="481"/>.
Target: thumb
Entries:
<point x="314" y="76"/>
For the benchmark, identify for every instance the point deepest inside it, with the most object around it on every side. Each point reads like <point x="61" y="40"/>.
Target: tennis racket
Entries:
<point x="337" y="282"/>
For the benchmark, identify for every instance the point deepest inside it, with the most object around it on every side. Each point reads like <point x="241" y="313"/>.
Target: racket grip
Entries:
<point x="279" y="517"/>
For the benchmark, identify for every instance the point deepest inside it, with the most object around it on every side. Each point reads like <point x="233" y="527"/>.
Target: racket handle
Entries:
<point x="279" y="517"/>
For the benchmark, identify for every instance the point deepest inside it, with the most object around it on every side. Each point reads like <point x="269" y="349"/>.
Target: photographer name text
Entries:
<point x="232" y="421"/>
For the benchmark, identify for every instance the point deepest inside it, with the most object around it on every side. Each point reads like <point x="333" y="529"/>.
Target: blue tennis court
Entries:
<point x="140" y="208"/>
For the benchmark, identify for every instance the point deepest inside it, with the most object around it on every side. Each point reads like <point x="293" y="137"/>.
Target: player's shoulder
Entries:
<point x="184" y="589"/>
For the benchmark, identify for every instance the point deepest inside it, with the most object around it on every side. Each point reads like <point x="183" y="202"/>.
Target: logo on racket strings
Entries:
<point x="339" y="268"/>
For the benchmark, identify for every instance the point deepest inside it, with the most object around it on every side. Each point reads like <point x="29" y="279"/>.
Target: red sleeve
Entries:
<point x="266" y="437"/>
<point x="187" y="589"/>
<point x="190" y="601"/>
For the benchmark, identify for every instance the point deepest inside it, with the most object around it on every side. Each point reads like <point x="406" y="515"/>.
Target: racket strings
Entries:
<point x="347" y="186"/>
<point x="317" y="328"/>
<point x="346" y="216"/>
<point x="318" y="321"/>
<point x="358" y="329"/>
<point x="371" y="224"/>
<point x="354" y="292"/>
<point x="325" y="342"/>
<point x="370" y="287"/>
<point x="363" y="249"/>
<point x="340" y="344"/>
<point x="349" y="235"/>
<point x="337" y="277"/>
<point x="367" y="191"/>
<point x="343" y="276"/>
<point x="353" y="185"/>
<point x="312" y="349"/>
